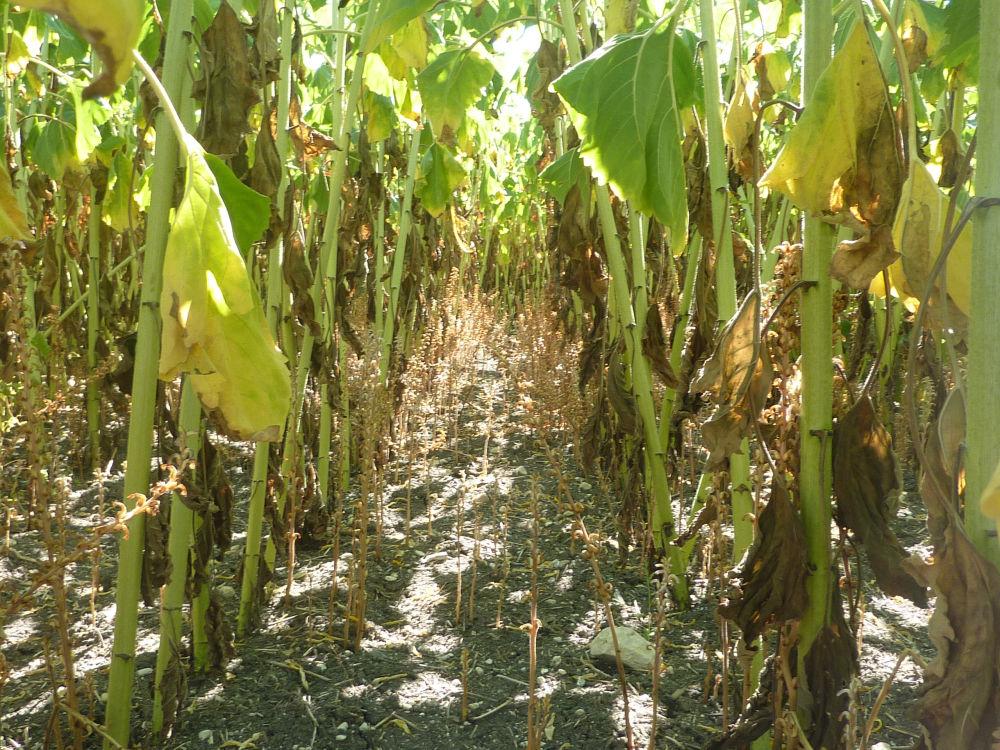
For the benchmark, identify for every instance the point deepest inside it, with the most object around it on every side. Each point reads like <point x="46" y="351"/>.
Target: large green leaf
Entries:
<point x="391" y="16"/>
<point x="450" y="85"/>
<point x="213" y="324"/>
<point x="249" y="211"/>
<point x="621" y="101"/>
<point x="440" y="175"/>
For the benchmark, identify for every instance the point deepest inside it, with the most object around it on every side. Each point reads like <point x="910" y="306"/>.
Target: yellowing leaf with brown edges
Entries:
<point x="213" y="323"/>
<point x="13" y="224"/>
<point x="917" y="233"/>
<point x="843" y="160"/>
<point x="111" y="26"/>
<point x="823" y="145"/>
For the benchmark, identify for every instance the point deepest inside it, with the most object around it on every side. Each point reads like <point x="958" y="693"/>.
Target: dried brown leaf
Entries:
<point x="864" y="476"/>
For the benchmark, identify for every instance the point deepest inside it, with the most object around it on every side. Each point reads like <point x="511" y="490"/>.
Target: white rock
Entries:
<point x="144" y="672"/>
<point x="637" y="652"/>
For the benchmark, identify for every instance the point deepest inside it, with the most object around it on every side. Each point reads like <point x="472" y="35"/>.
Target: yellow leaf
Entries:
<point x="990" y="501"/>
<point x="916" y="233"/>
<point x="824" y="145"/>
<point x="213" y="323"/>
<point x="111" y="26"/>
<point x="411" y="43"/>
<point x="13" y="224"/>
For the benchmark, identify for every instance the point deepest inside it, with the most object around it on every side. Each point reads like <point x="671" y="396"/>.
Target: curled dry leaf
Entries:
<point x="830" y="664"/>
<point x="309" y="143"/>
<point x="960" y="701"/>
<point x="111" y="26"/>
<point x="864" y="475"/>
<point x="213" y="322"/>
<point x="621" y="396"/>
<point x="228" y="88"/>
<point x="772" y="578"/>
<point x="842" y="160"/>
<point x="738" y="395"/>
<point x="654" y="346"/>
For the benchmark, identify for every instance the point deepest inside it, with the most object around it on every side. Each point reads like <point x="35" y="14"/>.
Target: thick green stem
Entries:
<point x="984" y="325"/>
<point x="816" y="419"/>
<point x="144" y="379"/>
<point x="178" y="549"/>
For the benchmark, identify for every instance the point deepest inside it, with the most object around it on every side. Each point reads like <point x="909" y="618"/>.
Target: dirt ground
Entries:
<point x="293" y="684"/>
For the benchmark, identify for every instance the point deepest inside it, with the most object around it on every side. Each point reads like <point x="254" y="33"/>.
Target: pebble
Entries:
<point x="144" y="672"/>
<point x="364" y="727"/>
<point x="342" y="727"/>
<point x="340" y="737"/>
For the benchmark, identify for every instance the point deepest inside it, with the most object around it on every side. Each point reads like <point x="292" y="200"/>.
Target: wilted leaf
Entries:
<point x="739" y="125"/>
<point x="960" y="701"/>
<point x="654" y="346"/>
<point x="227" y="88"/>
<point x="440" y="175"/>
<point x="213" y="324"/>
<point x="13" y="223"/>
<point x="111" y="26"/>
<point x="772" y="577"/>
<point x="864" y="475"/>
<point x="621" y="100"/>
<point x="848" y="99"/>
<point x="917" y="232"/>
<point x="830" y="664"/>
<point x="842" y="159"/>
<point x="309" y="142"/>
<point x="738" y="398"/>
<point x="449" y="86"/>
<point x="265" y="174"/>
<point x="545" y="105"/>
<point x="620" y="395"/>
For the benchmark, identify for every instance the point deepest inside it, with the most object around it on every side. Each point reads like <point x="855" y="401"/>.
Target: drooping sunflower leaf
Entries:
<point x="842" y="160"/>
<point x="393" y="15"/>
<point x="917" y="232"/>
<point x="440" y="175"/>
<point x="213" y="323"/>
<point x="449" y="85"/>
<point x="621" y="101"/>
<point x="112" y="26"/>
<point x="824" y="144"/>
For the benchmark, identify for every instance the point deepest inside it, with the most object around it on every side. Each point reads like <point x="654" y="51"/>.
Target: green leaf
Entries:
<point x="213" y="323"/>
<point x="381" y="116"/>
<point x="55" y="150"/>
<point x="249" y="211"/>
<point x="440" y="175"/>
<point x="961" y="37"/>
<point x="621" y="101"/>
<point x="562" y="174"/>
<point x="393" y="15"/>
<point x="450" y="85"/>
